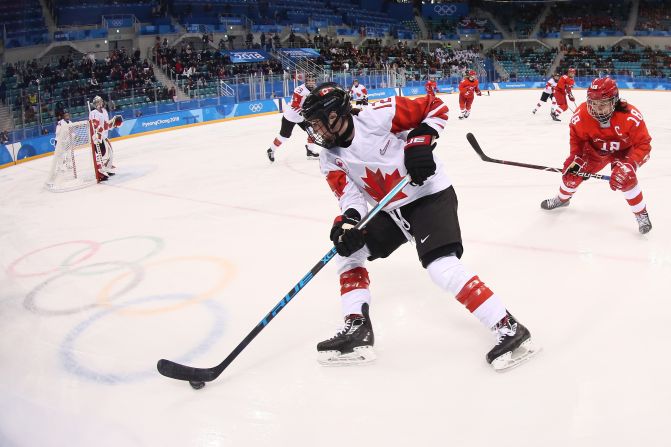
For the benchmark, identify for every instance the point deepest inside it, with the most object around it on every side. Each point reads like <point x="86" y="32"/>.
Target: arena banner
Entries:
<point x="449" y="11"/>
<point x="255" y="107"/>
<point x="298" y="53"/>
<point x="413" y="91"/>
<point x="156" y="122"/>
<point x="6" y="156"/>
<point x="381" y="93"/>
<point x="246" y="56"/>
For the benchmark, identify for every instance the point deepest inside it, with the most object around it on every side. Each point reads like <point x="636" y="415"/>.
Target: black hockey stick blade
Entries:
<point x="476" y="147"/>
<point x="182" y="372"/>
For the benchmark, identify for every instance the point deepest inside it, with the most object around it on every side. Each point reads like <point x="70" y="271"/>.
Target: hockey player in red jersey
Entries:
<point x="562" y="91"/>
<point x="431" y="87"/>
<point x="607" y="130"/>
<point x="468" y="88"/>
<point x="292" y="116"/>
<point x="367" y="153"/>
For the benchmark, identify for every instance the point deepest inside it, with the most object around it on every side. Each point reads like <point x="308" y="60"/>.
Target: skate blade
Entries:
<point x="513" y="359"/>
<point x="360" y="356"/>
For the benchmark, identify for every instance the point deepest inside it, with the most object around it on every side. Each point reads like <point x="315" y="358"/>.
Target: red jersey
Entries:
<point x="467" y="87"/>
<point x="431" y="87"/>
<point x="564" y="85"/>
<point x="626" y="137"/>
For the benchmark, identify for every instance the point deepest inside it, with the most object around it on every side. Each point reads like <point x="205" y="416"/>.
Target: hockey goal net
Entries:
<point x="74" y="163"/>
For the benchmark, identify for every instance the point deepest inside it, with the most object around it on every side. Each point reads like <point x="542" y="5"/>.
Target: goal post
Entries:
<point x="74" y="162"/>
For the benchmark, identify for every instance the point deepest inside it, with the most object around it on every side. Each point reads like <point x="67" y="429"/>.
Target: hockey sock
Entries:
<point x="450" y="274"/>
<point x="634" y="198"/>
<point x="279" y="140"/>
<point x="566" y="192"/>
<point x="354" y="290"/>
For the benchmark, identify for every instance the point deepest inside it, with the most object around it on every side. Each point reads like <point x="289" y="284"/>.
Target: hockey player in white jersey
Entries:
<point x="101" y="123"/>
<point x="548" y="92"/>
<point x="359" y="93"/>
<point x="366" y="154"/>
<point x="292" y="116"/>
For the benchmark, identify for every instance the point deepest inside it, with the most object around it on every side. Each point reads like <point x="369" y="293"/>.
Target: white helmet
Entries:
<point x="98" y="102"/>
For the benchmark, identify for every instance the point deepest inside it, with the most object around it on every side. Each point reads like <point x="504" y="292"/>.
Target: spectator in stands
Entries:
<point x="263" y="41"/>
<point x="276" y="41"/>
<point x="292" y="39"/>
<point x="3" y="91"/>
<point x="4" y="137"/>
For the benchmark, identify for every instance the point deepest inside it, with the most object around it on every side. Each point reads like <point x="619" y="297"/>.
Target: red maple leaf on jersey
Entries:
<point x="378" y="184"/>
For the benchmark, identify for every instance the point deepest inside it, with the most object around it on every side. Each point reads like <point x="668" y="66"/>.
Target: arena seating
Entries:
<point x="594" y="17"/>
<point x="654" y="18"/>
<point x="528" y="63"/>
<point x="23" y="23"/>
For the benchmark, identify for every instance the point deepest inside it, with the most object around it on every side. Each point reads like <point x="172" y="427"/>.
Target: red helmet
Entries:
<point x="471" y="73"/>
<point x="570" y="71"/>
<point x="602" y="97"/>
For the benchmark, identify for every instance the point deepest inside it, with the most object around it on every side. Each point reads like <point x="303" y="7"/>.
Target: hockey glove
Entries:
<point x="344" y="236"/>
<point x="571" y="168"/>
<point x="116" y="121"/>
<point x="479" y="93"/>
<point x="419" y="153"/>
<point x="623" y="176"/>
<point x="571" y="97"/>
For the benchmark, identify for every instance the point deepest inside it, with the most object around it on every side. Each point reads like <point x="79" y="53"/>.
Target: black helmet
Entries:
<point x="324" y="99"/>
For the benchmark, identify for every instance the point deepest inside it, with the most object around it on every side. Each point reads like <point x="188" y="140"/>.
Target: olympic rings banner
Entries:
<point x="449" y="11"/>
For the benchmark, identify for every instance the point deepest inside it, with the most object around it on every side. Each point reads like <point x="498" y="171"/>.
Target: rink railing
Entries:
<point x="37" y="147"/>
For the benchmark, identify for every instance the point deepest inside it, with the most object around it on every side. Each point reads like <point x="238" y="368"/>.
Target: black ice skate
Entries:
<point x="555" y="202"/>
<point x="554" y="116"/>
<point x="644" y="224"/>
<point x="513" y="345"/>
<point x="311" y="155"/>
<point x="271" y="154"/>
<point x="351" y="345"/>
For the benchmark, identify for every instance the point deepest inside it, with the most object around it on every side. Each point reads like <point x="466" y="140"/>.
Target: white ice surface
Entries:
<point x="204" y="236"/>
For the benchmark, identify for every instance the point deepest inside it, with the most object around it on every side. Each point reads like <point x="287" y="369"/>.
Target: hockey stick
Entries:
<point x="198" y="376"/>
<point x="476" y="146"/>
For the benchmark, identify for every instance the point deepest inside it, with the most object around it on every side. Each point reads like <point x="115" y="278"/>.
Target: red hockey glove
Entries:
<point x="479" y="93"/>
<point x="419" y="153"/>
<point x="572" y="166"/>
<point x="623" y="176"/>
<point x="571" y="98"/>
<point x="117" y="121"/>
<point x="344" y="236"/>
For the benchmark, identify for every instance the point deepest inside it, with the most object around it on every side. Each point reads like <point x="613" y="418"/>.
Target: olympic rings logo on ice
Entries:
<point x="109" y="289"/>
<point x="256" y="107"/>
<point x="445" y="10"/>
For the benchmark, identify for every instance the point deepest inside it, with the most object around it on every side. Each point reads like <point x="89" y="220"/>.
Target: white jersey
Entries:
<point x="293" y="112"/>
<point x="61" y="131"/>
<point x="101" y="125"/>
<point x="358" y="92"/>
<point x="550" y="86"/>
<point x="372" y="165"/>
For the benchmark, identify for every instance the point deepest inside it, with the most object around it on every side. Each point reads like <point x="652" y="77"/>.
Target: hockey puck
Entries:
<point x="196" y="385"/>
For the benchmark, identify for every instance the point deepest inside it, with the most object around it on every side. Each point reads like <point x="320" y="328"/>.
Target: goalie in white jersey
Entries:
<point x="367" y="153"/>
<point x="292" y="116"/>
<point x="101" y="123"/>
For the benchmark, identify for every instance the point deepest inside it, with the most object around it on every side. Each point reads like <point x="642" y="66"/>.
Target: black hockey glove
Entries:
<point x="344" y="236"/>
<point x="419" y="153"/>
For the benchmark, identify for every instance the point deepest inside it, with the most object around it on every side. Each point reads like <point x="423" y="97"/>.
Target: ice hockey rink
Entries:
<point x="198" y="236"/>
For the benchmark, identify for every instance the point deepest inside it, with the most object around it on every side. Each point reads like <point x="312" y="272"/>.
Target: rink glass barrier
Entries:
<point x="194" y="112"/>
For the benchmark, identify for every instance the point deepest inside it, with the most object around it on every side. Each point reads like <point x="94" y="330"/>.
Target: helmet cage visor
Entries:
<point x="601" y="109"/>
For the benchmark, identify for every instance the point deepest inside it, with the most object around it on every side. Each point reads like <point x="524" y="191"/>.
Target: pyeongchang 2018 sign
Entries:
<point x="247" y="56"/>
<point x="450" y="11"/>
